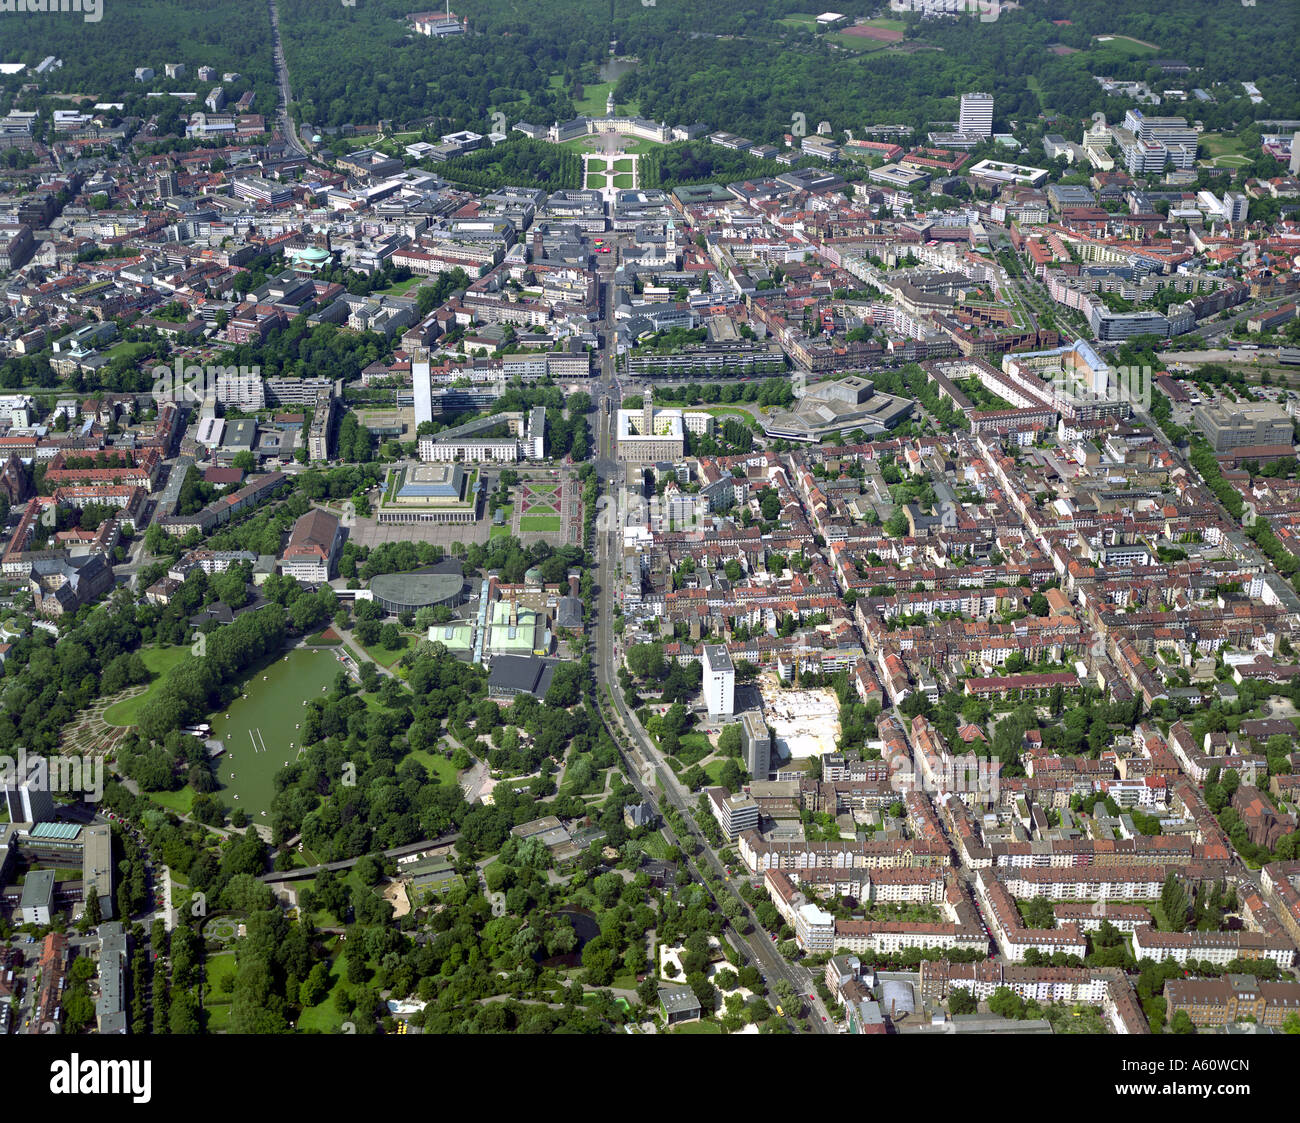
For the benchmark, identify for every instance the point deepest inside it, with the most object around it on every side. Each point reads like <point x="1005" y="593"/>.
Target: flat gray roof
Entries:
<point x="719" y="657"/>
<point x="678" y="1000"/>
<point x="38" y="889"/>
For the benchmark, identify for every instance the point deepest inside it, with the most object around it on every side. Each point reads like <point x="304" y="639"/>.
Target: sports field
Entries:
<point x="1140" y="46"/>
<point x="260" y="728"/>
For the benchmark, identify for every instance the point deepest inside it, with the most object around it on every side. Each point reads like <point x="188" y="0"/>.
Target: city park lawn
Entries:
<point x="723" y="411"/>
<point x="698" y="1027"/>
<point x="592" y="102"/>
<point x="402" y="287"/>
<point x="178" y="801"/>
<point x="436" y="764"/>
<point x="383" y="656"/>
<point x="1137" y="46"/>
<point x="503" y="530"/>
<point x="541" y="523"/>
<point x="159" y="660"/>
<point x="218" y="967"/>
<point x="324" y="1017"/>
<point x="1221" y="144"/>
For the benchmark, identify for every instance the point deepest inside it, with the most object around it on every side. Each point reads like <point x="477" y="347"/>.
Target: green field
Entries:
<point x="1036" y="88"/>
<point x="325" y="1017"/>
<point x="267" y="717"/>
<point x="541" y="523"/>
<point x="638" y="146"/>
<point x="159" y="660"/>
<point x="592" y="102"/>
<point x="586" y="143"/>
<point x="723" y="411"/>
<point x="857" y="42"/>
<point x="502" y="531"/>
<point x="1136" y="46"/>
<point x="1221" y="144"/>
<point x="624" y="181"/>
<point x="655" y="845"/>
<point x="403" y="287"/>
<point x="179" y="801"/>
<point x="698" y="1027"/>
<point x="436" y="764"/>
<point x="595" y="181"/>
<point x="219" y="966"/>
<point x="699" y="742"/>
<point x="383" y="656"/>
<point x="625" y="165"/>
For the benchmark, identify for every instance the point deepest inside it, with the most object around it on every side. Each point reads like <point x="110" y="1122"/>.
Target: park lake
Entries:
<point x="261" y="728"/>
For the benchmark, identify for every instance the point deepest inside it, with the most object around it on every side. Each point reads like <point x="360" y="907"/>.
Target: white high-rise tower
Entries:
<point x="719" y="681"/>
<point x="976" y="115"/>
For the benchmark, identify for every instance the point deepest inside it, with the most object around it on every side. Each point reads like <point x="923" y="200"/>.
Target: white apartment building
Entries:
<point x="245" y="392"/>
<point x="16" y="406"/>
<point x="735" y="813"/>
<point x="1174" y="133"/>
<point x="976" y="116"/>
<point x="1220" y="948"/>
<point x="504" y="450"/>
<point x="719" y="681"/>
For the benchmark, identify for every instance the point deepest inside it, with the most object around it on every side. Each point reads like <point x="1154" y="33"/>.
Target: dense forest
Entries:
<point x="769" y="69"/>
<point x="100" y="59"/>
<point x="522" y="163"/>
<point x="677" y="81"/>
<point x="362" y="64"/>
<point x="698" y="161"/>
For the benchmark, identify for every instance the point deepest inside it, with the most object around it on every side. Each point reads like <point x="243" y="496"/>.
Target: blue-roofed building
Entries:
<point x="64" y="832"/>
<point x="432" y="481"/>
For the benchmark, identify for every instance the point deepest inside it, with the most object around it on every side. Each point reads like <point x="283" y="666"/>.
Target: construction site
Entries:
<point x="805" y="722"/>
